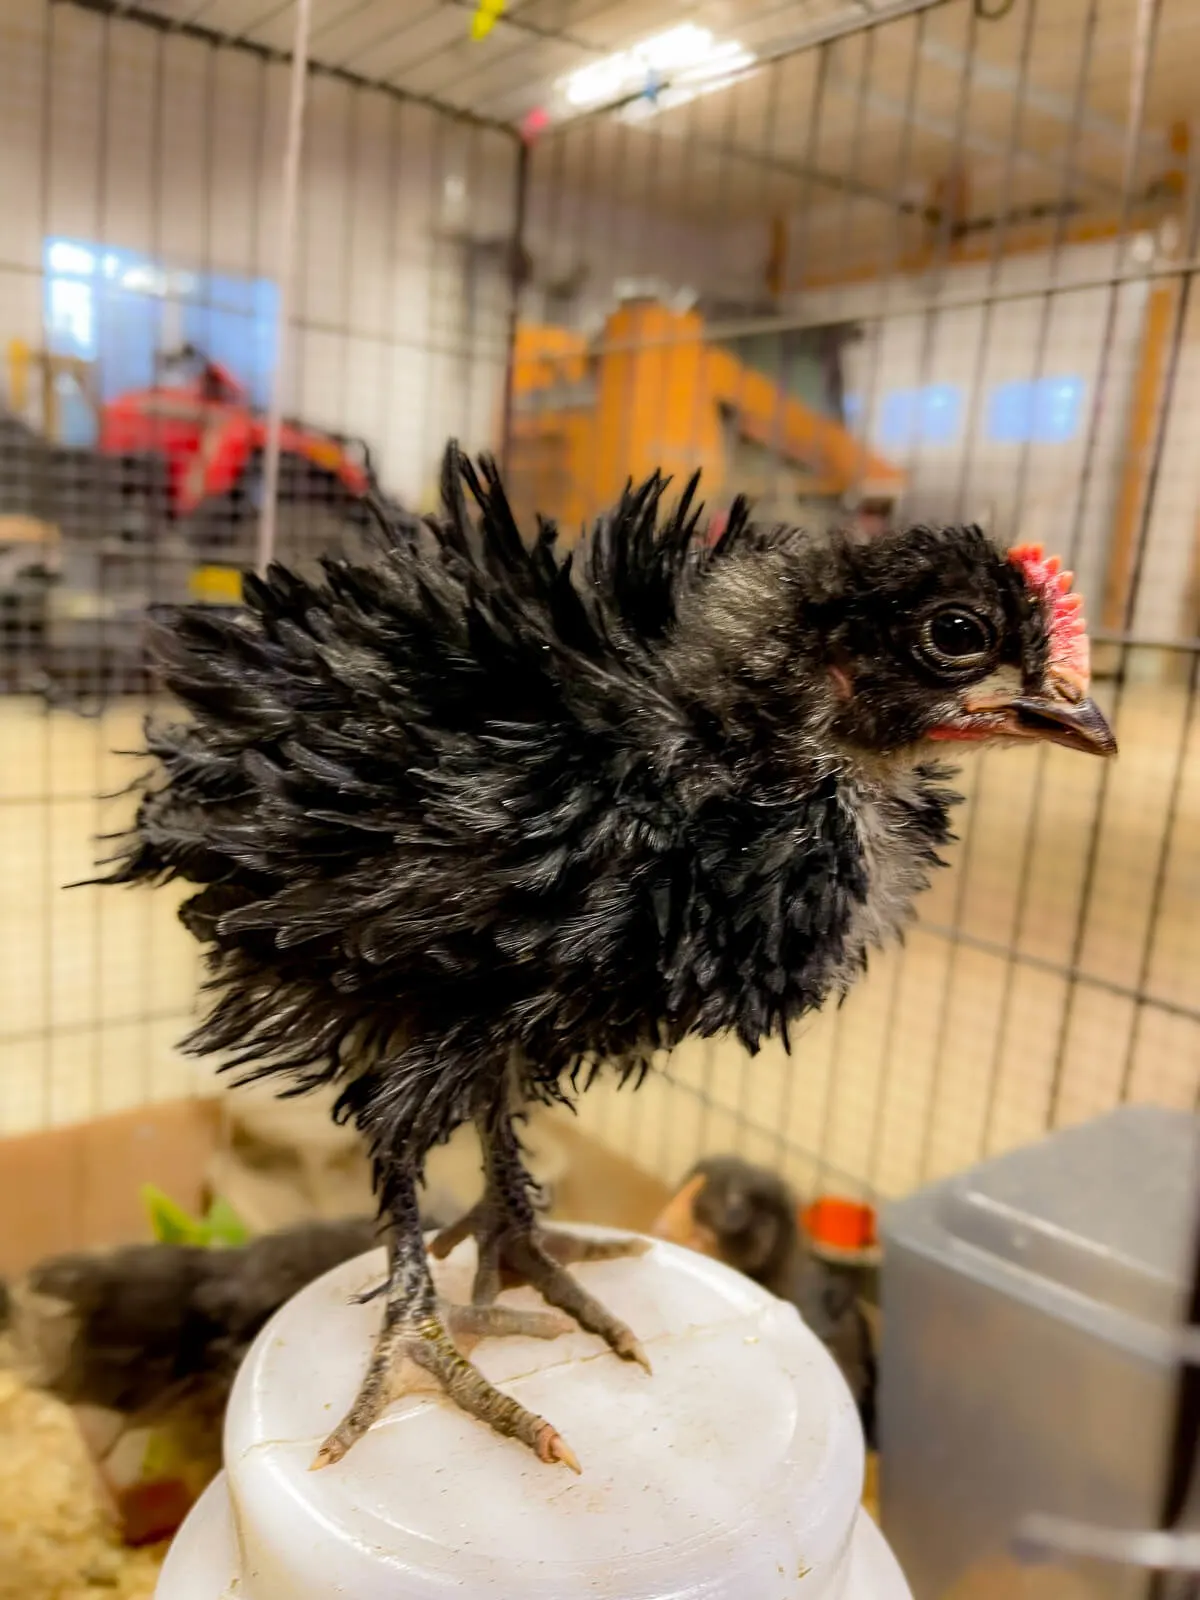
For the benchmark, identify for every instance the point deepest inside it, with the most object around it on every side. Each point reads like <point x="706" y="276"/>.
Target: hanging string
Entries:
<point x="289" y="198"/>
<point x="1143" y="40"/>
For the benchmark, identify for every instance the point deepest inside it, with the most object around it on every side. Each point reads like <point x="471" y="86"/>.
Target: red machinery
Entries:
<point x="200" y="418"/>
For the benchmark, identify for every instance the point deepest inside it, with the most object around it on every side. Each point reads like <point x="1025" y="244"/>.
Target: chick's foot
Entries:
<point x="515" y="1250"/>
<point x="424" y="1351"/>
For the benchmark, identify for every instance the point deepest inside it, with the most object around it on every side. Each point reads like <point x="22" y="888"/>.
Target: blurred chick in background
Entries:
<point x="150" y="1336"/>
<point x="747" y="1217"/>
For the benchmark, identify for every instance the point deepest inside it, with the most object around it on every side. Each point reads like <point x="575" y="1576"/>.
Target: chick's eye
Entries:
<point x="956" y="638"/>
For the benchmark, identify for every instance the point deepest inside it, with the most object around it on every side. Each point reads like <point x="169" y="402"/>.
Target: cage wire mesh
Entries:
<point x="866" y="260"/>
<point x="943" y="260"/>
<point x="871" y="261"/>
<point x="140" y="263"/>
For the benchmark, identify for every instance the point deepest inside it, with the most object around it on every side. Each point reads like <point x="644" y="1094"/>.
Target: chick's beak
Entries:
<point x="677" y="1222"/>
<point x="1077" y="724"/>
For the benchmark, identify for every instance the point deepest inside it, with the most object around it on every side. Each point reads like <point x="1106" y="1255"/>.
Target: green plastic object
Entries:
<point x="220" y="1228"/>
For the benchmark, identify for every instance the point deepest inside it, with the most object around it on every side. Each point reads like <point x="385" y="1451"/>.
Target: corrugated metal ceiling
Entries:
<point x="1031" y="106"/>
<point x="425" y="46"/>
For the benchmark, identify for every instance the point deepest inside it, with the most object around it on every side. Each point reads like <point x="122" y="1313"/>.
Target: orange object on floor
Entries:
<point x="843" y="1225"/>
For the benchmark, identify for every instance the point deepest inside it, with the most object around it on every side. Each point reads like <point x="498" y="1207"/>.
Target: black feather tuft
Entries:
<point x="472" y="805"/>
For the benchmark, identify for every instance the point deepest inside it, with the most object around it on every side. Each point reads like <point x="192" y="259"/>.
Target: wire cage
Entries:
<point x="869" y="261"/>
<point x="931" y="267"/>
<point x="142" y="269"/>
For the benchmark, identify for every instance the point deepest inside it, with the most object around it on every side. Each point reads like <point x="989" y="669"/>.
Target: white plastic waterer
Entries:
<point x="733" y="1473"/>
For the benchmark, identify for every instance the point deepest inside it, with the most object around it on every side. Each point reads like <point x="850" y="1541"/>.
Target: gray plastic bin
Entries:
<point x="1027" y="1362"/>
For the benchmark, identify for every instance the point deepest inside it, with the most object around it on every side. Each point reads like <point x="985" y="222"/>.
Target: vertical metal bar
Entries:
<point x="1159" y="879"/>
<point x="772" y="110"/>
<point x="870" y="396"/>
<point x="555" y="144"/>
<point x="287" y="237"/>
<point x="105" y="497"/>
<point x="157" y="140"/>
<point x="1091" y="446"/>
<point x="208" y="202"/>
<point x="930" y="318"/>
<point x="391" y="263"/>
<point x="838" y="1020"/>
<point x="1170" y="375"/>
<point x="261" y="145"/>
<point x="688" y="190"/>
<point x="466" y="326"/>
<point x="1087" y="889"/>
<point x="549" y="162"/>
<point x="593" y="130"/>
<point x="333" y="539"/>
<point x="721" y="207"/>
<point x="618" y="257"/>
<point x="588" y="137"/>
<point x="1178" y="772"/>
<point x="46" y="839"/>
<point x="808" y="161"/>
<point x="154" y="524"/>
<point x="684" y="194"/>
<point x="930" y="321"/>
<point x="1069" y="177"/>
<point x="517" y="249"/>
<point x="641" y="259"/>
<point x="431" y="421"/>
<point x="999" y="240"/>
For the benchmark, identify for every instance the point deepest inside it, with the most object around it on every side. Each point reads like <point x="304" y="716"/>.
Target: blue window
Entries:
<point x="1046" y="411"/>
<point x="931" y="415"/>
<point x="233" y="321"/>
<point x="852" y="409"/>
<point x="122" y="309"/>
<point x="941" y="413"/>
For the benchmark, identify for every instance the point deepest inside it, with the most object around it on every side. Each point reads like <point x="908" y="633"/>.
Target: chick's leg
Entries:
<point x="514" y="1249"/>
<point x="421" y="1343"/>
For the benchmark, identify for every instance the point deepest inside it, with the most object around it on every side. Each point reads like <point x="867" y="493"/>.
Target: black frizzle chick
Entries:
<point x="474" y="818"/>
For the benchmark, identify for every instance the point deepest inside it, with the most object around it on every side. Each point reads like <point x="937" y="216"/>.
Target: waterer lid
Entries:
<point x="731" y="1474"/>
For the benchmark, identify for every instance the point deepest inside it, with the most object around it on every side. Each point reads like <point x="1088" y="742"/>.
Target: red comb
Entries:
<point x="1064" y="610"/>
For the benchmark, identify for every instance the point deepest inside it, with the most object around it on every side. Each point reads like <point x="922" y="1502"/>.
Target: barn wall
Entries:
<point x="128" y="139"/>
<point x="973" y="331"/>
<point x="969" y="348"/>
<point x="1050" y="315"/>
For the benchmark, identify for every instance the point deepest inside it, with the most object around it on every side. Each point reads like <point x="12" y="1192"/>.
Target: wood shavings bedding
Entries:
<point x="56" y="1541"/>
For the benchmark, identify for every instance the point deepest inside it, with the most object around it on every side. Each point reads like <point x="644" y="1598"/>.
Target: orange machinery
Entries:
<point x="654" y="392"/>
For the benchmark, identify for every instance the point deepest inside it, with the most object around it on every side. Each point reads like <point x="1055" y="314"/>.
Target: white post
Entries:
<point x="287" y="263"/>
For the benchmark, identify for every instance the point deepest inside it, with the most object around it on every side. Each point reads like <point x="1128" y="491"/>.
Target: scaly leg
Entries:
<point x="513" y="1248"/>
<point x="418" y="1349"/>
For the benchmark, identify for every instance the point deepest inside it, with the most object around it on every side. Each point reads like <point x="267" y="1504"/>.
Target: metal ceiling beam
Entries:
<point x="767" y="161"/>
<point x="947" y="128"/>
<point x="1049" y="102"/>
<point x="809" y="37"/>
<point x="118" y="11"/>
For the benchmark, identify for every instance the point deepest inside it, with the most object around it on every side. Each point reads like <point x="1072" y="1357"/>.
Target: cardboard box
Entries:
<point x="78" y="1187"/>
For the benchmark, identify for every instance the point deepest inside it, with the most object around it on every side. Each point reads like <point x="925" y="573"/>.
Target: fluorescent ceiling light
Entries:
<point x="687" y="59"/>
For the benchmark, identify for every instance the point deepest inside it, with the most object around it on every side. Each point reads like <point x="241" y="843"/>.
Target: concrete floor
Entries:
<point x="946" y="1051"/>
